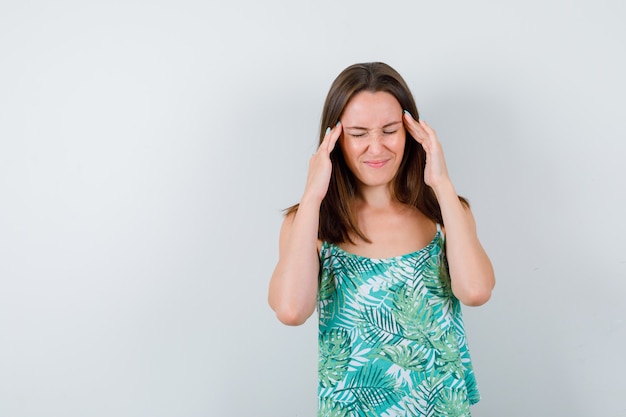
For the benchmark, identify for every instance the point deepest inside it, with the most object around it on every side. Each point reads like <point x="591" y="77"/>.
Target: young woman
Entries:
<point x="384" y="248"/>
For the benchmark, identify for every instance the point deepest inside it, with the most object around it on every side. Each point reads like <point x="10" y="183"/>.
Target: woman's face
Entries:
<point x="373" y="137"/>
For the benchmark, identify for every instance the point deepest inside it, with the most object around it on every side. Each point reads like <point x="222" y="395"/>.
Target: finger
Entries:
<point x="427" y="128"/>
<point x="325" y="139"/>
<point x="335" y="133"/>
<point x="415" y="129"/>
<point x="330" y="138"/>
<point x="430" y="132"/>
<point x="408" y="119"/>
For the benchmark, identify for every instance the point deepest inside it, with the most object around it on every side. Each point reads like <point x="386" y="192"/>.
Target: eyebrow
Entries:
<point x="365" y="128"/>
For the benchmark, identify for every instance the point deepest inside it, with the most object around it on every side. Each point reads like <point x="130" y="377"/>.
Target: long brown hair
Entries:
<point x="338" y="221"/>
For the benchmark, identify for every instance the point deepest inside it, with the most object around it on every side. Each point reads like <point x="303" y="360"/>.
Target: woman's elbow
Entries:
<point x="476" y="298"/>
<point x="475" y="295"/>
<point x="292" y="317"/>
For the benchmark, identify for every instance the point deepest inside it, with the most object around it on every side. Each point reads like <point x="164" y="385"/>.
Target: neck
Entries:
<point x="376" y="197"/>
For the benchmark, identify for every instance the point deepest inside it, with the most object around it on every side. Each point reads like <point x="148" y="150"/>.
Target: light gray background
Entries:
<point x="147" y="148"/>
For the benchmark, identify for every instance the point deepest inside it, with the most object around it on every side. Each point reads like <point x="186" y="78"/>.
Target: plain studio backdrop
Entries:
<point x="148" y="148"/>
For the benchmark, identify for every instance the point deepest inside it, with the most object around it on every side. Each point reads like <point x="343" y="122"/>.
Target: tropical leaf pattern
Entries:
<point x="391" y="336"/>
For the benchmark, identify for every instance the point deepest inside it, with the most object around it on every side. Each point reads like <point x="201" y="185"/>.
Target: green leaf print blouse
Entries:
<point x="391" y="336"/>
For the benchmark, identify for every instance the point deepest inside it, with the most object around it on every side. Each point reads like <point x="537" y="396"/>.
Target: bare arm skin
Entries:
<point x="471" y="271"/>
<point x="293" y="286"/>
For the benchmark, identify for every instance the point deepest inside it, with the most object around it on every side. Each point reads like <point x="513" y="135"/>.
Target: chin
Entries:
<point x="376" y="182"/>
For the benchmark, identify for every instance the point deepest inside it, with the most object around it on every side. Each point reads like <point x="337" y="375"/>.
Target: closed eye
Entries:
<point x="390" y="132"/>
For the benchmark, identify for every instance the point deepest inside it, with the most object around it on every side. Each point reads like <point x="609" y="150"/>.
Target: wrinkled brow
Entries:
<point x="366" y="128"/>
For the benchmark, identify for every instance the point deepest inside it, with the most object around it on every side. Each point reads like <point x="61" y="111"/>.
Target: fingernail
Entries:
<point x="327" y="130"/>
<point x="338" y="122"/>
<point x="407" y="112"/>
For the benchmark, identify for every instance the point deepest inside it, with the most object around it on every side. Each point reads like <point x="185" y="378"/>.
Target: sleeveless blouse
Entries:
<point x="391" y="336"/>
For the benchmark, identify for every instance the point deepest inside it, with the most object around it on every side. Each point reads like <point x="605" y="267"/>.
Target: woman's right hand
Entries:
<point x="293" y="287"/>
<point x="320" y="165"/>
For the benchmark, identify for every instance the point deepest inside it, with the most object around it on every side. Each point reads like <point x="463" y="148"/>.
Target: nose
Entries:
<point x="376" y="138"/>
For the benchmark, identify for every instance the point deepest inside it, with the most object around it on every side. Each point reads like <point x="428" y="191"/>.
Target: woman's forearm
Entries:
<point x="294" y="283"/>
<point x="471" y="271"/>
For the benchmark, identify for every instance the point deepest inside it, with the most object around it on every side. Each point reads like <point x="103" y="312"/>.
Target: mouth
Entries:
<point x="376" y="163"/>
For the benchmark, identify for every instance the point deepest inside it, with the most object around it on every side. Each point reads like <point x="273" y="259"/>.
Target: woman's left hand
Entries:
<point x="436" y="172"/>
<point x="470" y="269"/>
